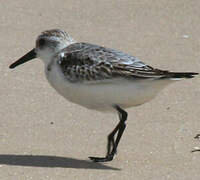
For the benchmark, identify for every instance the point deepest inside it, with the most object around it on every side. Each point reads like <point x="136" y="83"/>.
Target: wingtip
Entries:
<point x="193" y="74"/>
<point x="184" y="74"/>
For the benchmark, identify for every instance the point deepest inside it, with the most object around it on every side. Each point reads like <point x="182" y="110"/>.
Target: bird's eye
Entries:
<point x="41" y="42"/>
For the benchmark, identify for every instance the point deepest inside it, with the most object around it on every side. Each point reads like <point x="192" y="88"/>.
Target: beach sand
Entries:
<point x="43" y="136"/>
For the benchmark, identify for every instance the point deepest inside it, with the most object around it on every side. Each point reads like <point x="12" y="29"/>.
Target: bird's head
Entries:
<point x="48" y="43"/>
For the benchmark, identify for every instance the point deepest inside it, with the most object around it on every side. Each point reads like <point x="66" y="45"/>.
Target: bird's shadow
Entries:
<point x="50" y="162"/>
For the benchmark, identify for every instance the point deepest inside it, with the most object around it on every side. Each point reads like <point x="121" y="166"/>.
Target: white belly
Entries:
<point x="102" y="96"/>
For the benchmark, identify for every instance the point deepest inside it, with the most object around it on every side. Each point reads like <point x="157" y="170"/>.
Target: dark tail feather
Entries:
<point x="181" y="75"/>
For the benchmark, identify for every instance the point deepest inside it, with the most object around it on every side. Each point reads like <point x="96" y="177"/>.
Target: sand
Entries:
<point x="43" y="136"/>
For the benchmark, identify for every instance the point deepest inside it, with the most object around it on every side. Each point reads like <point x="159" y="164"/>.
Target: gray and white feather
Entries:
<point x="98" y="77"/>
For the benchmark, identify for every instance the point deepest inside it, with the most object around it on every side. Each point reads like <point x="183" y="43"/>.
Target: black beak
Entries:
<point x="27" y="57"/>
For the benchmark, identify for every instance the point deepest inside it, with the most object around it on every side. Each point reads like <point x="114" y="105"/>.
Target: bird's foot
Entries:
<point x="102" y="159"/>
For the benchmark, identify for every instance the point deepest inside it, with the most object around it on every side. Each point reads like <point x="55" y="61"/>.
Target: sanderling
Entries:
<point x="98" y="78"/>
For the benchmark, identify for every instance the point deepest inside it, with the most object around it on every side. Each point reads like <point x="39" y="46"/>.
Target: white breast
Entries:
<point x="101" y="96"/>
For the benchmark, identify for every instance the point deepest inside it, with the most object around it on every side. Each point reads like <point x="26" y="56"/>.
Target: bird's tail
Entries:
<point x="181" y="75"/>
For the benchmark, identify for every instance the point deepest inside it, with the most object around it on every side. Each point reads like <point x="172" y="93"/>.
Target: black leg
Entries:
<point x="112" y="143"/>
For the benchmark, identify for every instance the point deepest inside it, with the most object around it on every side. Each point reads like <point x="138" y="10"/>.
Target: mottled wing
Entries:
<point x="86" y="62"/>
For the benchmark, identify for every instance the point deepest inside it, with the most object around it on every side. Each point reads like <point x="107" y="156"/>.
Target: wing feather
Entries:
<point x="85" y="62"/>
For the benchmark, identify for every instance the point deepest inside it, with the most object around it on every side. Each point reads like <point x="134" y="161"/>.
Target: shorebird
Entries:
<point x="98" y="78"/>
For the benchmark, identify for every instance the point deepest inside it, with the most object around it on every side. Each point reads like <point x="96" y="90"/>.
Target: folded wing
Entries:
<point x="86" y="62"/>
